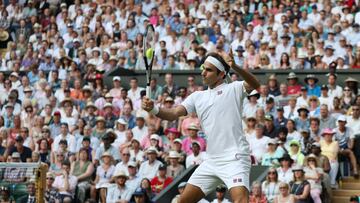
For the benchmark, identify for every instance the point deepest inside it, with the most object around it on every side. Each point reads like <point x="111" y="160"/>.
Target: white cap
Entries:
<point x="155" y="137"/>
<point x="117" y="78"/>
<point x="174" y="154"/>
<point x="122" y="121"/>
<point x="341" y="118"/>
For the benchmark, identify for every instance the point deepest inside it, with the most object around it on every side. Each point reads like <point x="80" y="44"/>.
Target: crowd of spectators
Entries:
<point x="98" y="141"/>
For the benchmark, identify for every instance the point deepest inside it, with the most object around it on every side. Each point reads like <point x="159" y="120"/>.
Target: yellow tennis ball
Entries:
<point x="149" y="53"/>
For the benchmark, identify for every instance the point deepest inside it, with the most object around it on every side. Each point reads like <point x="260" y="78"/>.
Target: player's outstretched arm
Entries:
<point x="163" y="113"/>
<point x="251" y="82"/>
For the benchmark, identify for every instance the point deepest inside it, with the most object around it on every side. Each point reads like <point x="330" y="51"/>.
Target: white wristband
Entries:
<point x="155" y="110"/>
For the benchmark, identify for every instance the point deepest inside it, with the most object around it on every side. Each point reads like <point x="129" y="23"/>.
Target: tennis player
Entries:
<point x="219" y="109"/>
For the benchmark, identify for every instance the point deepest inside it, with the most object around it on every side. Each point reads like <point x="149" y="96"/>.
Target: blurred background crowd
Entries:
<point x="101" y="146"/>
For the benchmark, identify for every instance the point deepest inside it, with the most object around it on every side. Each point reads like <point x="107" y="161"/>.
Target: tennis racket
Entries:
<point x="149" y="53"/>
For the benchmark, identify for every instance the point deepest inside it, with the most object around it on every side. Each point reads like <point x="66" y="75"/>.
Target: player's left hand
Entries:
<point x="229" y="58"/>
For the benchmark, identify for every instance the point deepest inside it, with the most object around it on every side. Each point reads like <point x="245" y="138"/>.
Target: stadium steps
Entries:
<point x="349" y="186"/>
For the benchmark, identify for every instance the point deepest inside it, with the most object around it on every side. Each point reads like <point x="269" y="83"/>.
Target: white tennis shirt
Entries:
<point x="220" y="113"/>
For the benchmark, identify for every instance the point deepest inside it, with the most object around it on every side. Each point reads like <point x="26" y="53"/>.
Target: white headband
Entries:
<point x="215" y="62"/>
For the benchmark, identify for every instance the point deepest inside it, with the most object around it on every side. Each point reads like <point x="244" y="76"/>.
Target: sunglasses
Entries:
<point x="283" y="188"/>
<point x="346" y="90"/>
<point x="271" y="172"/>
<point x="293" y="145"/>
<point x="126" y="154"/>
<point x="49" y="178"/>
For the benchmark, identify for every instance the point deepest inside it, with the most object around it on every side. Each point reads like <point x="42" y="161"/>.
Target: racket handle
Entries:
<point x="148" y="91"/>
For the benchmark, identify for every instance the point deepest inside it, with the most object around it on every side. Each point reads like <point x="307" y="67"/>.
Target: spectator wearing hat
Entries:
<point x="154" y="142"/>
<point x="116" y="90"/>
<point x="280" y="119"/>
<point x="104" y="174"/>
<point x="136" y="153"/>
<point x="252" y="105"/>
<point x="306" y="141"/>
<point x="294" y="89"/>
<point x="300" y="187"/>
<point x="88" y="142"/>
<point x="9" y="115"/>
<point x="270" y="130"/>
<point x="314" y="174"/>
<point x="329" y="54"/>
<point x="312" y="88"/>
<point x="24" y="152"/>
<point x="141" y="196"/>
<point x="220" y="194"/>
<point x="239" y="58"/>
<point x="149" y="168"/>
<point x="140" y="130"/>
<point x="107" y="146"/>
<point x="145" y="142"/>
<point x="197" y="156"/>
<point x="51" y="193"/>
<point x="326" y="120"/>
<point x="31" y="190"/>
<point x="193" y="136"/>
<point x="325" y="98"/>
<point x="181" y="188"/>
<point x="302" y="120"/>
<point x="65" y="183"/>
<point x="330" y="148"/>
<point x="284" y="171"/>
<point x="14" y="78"/>
<point x="295" y="152"/>
<point x="100" y="128"/>
<point x="323" y="162"/>
<point x="272" y="155"/>
<point x="134" y="179"/>
<point x="14" y="174"/>
<point x="174" y="168"/>
<point x="273" y="86"/>
<point x="270" y="108"/>
<point x="258" y="142"/>
<point x="161" y="181"/>
<point x="90" y="118"/>
<point x="345" y="136"/>
<point x="119" y="191"/>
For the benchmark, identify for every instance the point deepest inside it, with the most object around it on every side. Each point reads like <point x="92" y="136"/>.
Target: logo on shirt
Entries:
<point x="237" y="180"/>
<point x="238" y="156"/>
<point x="219" y="92"/>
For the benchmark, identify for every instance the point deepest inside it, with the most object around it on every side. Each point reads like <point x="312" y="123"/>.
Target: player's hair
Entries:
<point x="222" y="61"/>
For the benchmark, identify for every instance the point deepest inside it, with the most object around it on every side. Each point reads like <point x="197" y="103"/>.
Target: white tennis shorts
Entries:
<point x="211" y="173"/>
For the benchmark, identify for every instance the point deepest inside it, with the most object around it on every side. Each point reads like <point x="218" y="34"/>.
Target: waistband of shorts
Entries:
<point x="230" y="154"/>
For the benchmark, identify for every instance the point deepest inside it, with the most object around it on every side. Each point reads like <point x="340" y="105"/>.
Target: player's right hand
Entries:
<point x="147" y="104"/>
